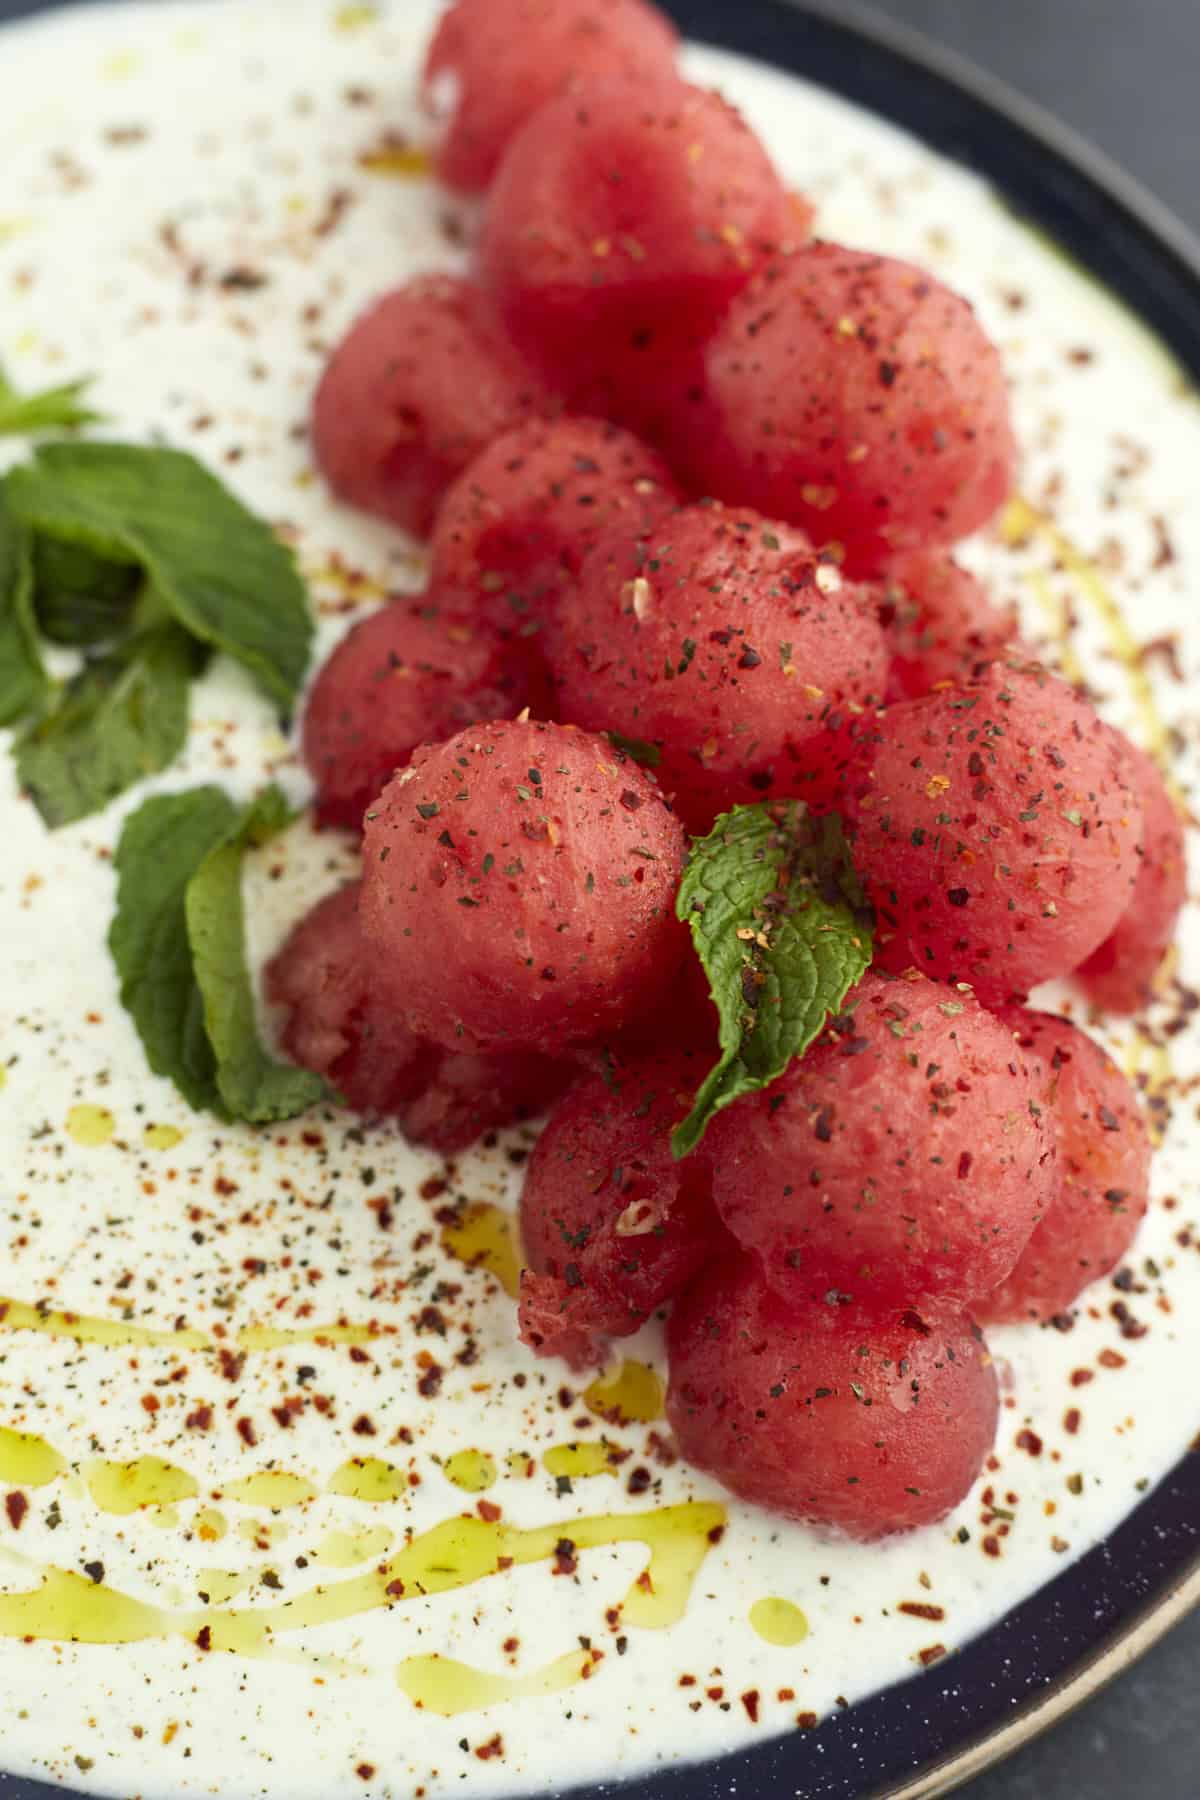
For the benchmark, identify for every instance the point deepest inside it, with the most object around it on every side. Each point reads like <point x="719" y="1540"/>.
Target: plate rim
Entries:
<point x="1153" y="234"/>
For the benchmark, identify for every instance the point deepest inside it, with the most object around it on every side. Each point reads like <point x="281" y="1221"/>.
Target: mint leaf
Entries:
<point x="251" y="1085"/>
<point x="778" y="921"/>
<point x="219" y="571"/>
<point x="80" y="599"/>
<point x="162" y="845"/>
<point x="23" y="681"/>
<point x="178" y="941"/>
<point x="53" y="409"/>
<point x="123" y="717"/>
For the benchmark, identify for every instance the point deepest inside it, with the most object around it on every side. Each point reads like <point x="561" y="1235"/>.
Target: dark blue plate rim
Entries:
<point x="925" y="1736"/>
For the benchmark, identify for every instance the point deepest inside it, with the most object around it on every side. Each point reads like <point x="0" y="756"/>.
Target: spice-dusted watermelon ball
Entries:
<point x="519" y="887"/>
<point x="519" y="521"/>
<point x="997" y="833"/>
<point x="493" y="63"/>
<point x="861" y="399"/>
<point x="1120" y="974"/>
<point x="940" y="622"/>
<point x="337" y="1022"/>
<point x="418" y="386"/>
<point x="411" y="673"/>
<point x="722" y="644"/>
<point x="864" y="1421"/>
<point x="611" y="1224"/>
<point x="1101" y="1176"/>
<point x="622" y="221"/>
<point x="905" y="1154"/>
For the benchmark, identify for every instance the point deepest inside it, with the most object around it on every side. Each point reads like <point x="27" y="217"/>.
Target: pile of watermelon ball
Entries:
<point x="691" y="478"/>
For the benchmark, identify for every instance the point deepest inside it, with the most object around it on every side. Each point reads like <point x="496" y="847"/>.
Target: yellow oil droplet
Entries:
<point x="163" y="1518"/>
<point x="633" y="1395"/>
<point x="90" y="1126"/>
<point x="276" y="1489"/>
<point x="485" y="1237"/>
<point x="453" y="1555"/>
<point x="403" y="162"/>
<point x="220" y="1586"/>
<point x="369" y="1479"/>
<point x="578" y="1461"/>
<point x="270" y="1337"/>
<point x="162" y="1137"/>
<point x="520" y="1464"/>
<point x="472" y="1470"/>
<point x="210" y="1525"/>
<point x="121" y="66"/>
<point x="126" y="1487"/>
<point x="3" y="1070"/>
<point x="11" y="228"/>
<point x="18" y="1315"/>
<point x="28" y="1461"/>
<point x="264" y="1532"/>
<point x="778" y="1622"/>
<point x="355" y="18"/>
<point x="69" y="1608"/>
<point x="440" y="1685"/>
<point x="347" y="1549"/>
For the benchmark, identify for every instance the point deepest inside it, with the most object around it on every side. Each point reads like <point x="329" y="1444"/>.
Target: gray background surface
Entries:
<point x="1126" y="73"/>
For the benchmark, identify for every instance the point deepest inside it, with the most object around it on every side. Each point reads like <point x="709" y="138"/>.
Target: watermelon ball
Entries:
<point x="519" y="886"/>
<point x="860" y="398"/>
<point x="903" y="1155"/>
<point x="1101" y="1186"/>
<point x="723" y="646"/>
<point x="1120" y="974"/>
<point x="623" y="220"/>
<point x="493" y="63"/>
<point x="336" y="1022"/>
<point x="612" y="1226"/>
<point x="997" y="832"/>
<point x="941" y="624"/>
<point x="408" y="674"/>
<point x="515" y="528"/>
<point x="419" y="385"/>
<point x="863" y="1421"/>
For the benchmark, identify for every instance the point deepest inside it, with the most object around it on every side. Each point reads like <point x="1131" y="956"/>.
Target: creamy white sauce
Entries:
<point x="147" y="152"/>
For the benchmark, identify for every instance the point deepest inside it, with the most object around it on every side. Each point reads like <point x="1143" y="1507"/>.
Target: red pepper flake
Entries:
<point x="204" y="1638"/>
<point x="394" y="1590"/>
<point x="365" y="1771"/>
<point x="806" y="1721"/>
<point x="150" y="1403"/>
<point x="991" y="1546"/>
<point x="922" y="1609"/>
<point x="16" y="1505"/>
<point x="934" y="1653"/>
<point x="493" y="1747"/>
<point x="246" y="1431"/>
<point x="200" y="1420"/>
<point x="488" y="1511"/>
<point x="1111" y="1359"/>
<point x="231" y="1364"/>
<point x="565" y="1560"/>
<point x="631" y="801"/>
<point x="1072" y="1419"/>
<point x="1081" y="1377"/>
<point x="433" y="1188"/>
<point x="1030" y="1441"/>
<point x="750" y="1702"/>
<point x="785" y="1694"/>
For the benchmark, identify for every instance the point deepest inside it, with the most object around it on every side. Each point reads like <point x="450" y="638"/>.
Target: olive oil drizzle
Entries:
<point x="65" y="1607"/>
